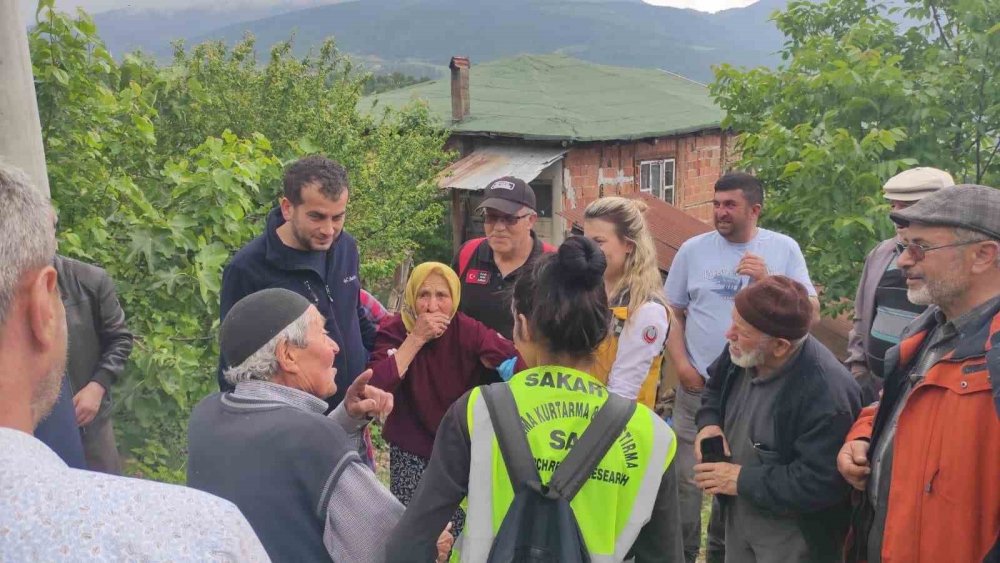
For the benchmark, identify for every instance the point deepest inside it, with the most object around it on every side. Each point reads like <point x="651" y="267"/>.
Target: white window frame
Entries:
<point x="664" y="187"/>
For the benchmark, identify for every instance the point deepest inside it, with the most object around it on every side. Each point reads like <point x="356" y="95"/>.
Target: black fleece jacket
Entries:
<point x="814" y="409"/>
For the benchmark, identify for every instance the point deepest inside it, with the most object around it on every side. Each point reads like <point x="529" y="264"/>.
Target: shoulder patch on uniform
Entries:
<point x="478" y="277"/>
<point x="650" y="334"/>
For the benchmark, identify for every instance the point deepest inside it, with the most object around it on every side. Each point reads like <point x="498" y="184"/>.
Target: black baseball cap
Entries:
<point x="508" y="195"/>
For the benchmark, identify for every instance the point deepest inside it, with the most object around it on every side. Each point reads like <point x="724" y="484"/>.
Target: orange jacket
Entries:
<point x="944" y="497"/>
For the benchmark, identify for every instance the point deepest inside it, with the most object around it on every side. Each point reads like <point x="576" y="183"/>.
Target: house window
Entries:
<point x="543" y="198"/>
<point x="656" y="177"/>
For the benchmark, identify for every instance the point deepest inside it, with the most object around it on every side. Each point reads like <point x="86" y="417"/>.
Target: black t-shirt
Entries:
<point x="485" y="292"/>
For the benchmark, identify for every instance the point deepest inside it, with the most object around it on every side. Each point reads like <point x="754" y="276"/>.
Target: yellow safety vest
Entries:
<point x="608" y="351"/>
<point x="556" y="404"/>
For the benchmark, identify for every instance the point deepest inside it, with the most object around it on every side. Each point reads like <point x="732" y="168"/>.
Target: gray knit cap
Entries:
<point x="255" y="320"/>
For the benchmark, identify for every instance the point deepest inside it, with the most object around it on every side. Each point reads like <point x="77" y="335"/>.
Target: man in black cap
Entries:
<point x="926" y="456"/>
<point x="782" y="403"/>
<point x="267" y="447"/>
<point x="488" y="266"/>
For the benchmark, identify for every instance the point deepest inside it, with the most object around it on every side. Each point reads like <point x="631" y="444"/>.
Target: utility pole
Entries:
<point x="20" y="128"/>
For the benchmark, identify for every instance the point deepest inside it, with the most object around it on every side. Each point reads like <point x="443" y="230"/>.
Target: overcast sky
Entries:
<point x="703" y="5"/>
<point x="94" y="6"/>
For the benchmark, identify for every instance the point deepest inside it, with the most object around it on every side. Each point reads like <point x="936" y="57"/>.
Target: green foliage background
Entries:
<point x="160" y="173"/>
<point x="857" y="99"/>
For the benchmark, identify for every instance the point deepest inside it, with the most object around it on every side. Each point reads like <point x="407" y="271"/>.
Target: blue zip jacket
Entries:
<point x="327" y="279"/>
<point x="59" y="431"/>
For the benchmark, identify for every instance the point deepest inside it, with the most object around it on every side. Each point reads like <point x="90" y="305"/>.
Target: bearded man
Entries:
<point x="925" y="457"/>
<point x="782" y="404"/>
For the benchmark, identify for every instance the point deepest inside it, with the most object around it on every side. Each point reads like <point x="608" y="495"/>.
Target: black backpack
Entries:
<point x="540" y="526"/>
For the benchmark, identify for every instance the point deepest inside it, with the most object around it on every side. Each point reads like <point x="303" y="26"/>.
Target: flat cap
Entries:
<point x="255" y="320"/>
<point x="916" y="184"/>
<point x="968" y="206"/>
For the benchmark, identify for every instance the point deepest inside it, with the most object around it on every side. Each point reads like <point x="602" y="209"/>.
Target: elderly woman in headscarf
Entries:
<point x="428" y="356"/>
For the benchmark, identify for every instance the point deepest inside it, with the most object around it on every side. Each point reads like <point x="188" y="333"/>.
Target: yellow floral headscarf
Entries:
<point x="417" y="278"/>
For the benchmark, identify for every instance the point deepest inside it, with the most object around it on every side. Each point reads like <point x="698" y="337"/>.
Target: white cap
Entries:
<point x="916" y="184"/>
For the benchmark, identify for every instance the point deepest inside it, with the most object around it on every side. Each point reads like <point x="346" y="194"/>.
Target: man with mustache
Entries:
<point x="925" y="457"/>
<point x="782" y="403"/>
<point x="704" y="278"/>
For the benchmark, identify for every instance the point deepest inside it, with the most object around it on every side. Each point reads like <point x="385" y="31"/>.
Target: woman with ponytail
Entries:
<point x="626" y="507"/>
<point x="629" y="360"/>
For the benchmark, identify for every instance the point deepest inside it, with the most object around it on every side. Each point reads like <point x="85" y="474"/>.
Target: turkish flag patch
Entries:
<point x="478" y="277"/>
<point x="650" y="334"/>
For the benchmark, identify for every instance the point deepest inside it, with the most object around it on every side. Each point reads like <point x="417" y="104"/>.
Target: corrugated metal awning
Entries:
<point x="486" y="164"/>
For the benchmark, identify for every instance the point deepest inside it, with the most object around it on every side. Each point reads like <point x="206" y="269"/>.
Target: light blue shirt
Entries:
<point x="49" y="512"/>
<point x="703" y="281"/>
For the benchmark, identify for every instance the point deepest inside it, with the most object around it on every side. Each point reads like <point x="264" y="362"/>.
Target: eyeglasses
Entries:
<point x="919" y="251"/>
<point x="508" y="220"/>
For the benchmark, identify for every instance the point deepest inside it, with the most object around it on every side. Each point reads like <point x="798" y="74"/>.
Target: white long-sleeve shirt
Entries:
<point x="640" y="342"/>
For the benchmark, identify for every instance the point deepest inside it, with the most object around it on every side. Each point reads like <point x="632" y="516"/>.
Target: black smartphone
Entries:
<point x="713" y="450"/>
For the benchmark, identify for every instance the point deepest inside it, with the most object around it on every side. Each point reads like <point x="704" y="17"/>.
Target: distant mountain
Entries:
<point x="154" y="30"/>
<point x="419" y="36"/>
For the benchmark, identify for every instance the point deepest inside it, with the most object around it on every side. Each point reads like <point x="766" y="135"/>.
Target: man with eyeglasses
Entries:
<point x="489" y="266"/>
<point x="881" y="309"/>
<point x="925" y="457"/>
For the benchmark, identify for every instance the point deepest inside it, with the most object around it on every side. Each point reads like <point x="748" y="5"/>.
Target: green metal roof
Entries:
<point x="554" y="97"/>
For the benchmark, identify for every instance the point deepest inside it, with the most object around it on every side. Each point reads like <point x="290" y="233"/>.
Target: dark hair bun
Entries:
<point x="581" y="263"/>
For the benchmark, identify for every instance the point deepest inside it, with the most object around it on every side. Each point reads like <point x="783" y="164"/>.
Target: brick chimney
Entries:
<point x="459" y="88"/>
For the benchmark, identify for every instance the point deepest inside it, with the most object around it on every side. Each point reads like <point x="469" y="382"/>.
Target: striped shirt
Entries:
<point x="893" y="312"/>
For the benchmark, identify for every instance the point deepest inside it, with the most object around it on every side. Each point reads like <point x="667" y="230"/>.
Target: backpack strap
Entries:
<point x="465" y="254"/>
<point x="588" y="452"/>
<point x="510" y="434"/>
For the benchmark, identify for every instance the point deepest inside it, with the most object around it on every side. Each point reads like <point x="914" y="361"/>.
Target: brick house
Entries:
<point x="576" y="131"/>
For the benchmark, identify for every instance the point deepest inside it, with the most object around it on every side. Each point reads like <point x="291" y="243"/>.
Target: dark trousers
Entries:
<point x="59" y="432"/>
<point x="715" y="548"/>
<point x="99" y="446"/>
<point x="405" y="471"/>
<point x="871" y="387"/>
<point x="686" y="405"/>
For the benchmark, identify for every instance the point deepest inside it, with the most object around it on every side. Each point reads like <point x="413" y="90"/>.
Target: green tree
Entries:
<point x="308" y="105"/>
<point x="385" y="82"/>
<point x="858" y="98"/>
<point x="161" y="173"/>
